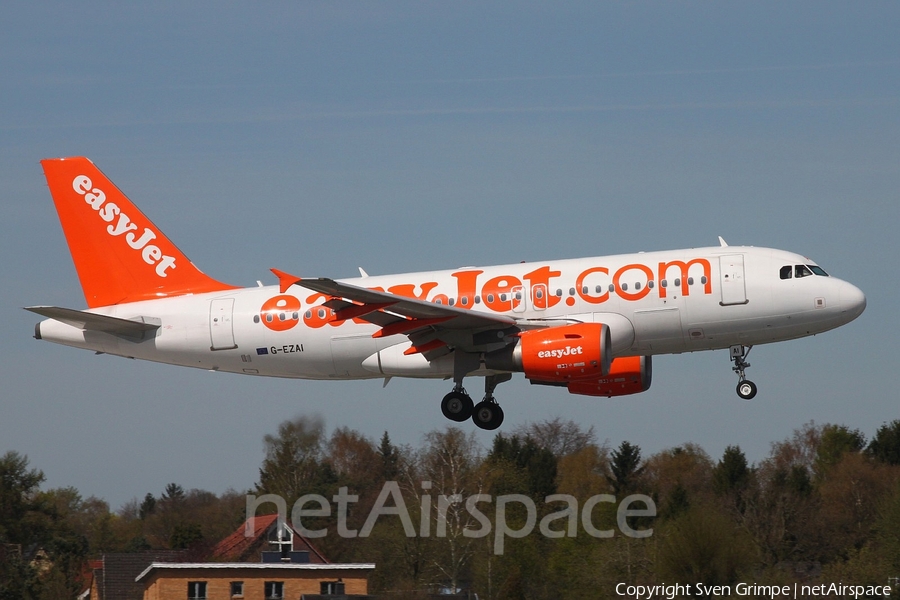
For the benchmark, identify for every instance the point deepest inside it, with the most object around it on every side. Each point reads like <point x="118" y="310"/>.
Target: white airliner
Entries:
<point x="590" y="325"/>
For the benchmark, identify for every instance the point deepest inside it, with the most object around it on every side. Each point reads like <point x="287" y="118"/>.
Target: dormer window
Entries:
<point x="281" y="538"/>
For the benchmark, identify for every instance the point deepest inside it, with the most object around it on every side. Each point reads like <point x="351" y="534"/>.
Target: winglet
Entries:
<point x="722" y="242"/>
<point x="285" y="280"/>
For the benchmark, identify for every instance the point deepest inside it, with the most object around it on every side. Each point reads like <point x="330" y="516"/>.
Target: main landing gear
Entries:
<point x="746" y="389"/>
<point x="487" y="414"/>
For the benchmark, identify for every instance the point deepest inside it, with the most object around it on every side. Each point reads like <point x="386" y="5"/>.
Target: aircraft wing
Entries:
<point x="433" y="329"/>
<point x="412" y="308"/>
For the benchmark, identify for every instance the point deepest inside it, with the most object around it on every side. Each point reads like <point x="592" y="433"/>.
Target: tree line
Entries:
<point x="824" y="505"/>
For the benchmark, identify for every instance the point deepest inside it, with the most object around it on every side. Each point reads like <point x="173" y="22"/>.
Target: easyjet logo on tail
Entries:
<point x="121" y="224"/>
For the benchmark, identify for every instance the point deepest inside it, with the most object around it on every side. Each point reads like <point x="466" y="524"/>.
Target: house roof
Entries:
<point x="241" y="545"/>
<point x="331" y="567"/>
<point x="116" y="576"/>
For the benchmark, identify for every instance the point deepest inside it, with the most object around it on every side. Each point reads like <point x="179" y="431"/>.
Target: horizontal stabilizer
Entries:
<point x="137" y="328"/>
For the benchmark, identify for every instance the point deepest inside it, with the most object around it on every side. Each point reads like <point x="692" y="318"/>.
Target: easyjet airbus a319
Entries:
<point x="590" y="325"/>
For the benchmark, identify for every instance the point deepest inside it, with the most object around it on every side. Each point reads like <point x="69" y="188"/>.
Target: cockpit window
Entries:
<point x="801" y="271"/>
<point x="818" y="270"/>
<point x="786" y="271"/>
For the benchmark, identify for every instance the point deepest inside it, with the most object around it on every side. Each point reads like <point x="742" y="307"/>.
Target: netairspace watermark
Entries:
<point x="558" y="524"/>
<point x="775" y="592"/>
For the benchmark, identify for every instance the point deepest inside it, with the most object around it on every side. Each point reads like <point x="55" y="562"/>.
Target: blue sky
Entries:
<point x="316" y="137"/>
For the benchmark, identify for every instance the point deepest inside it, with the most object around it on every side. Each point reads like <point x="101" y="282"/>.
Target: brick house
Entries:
<point x="271" y="561"/>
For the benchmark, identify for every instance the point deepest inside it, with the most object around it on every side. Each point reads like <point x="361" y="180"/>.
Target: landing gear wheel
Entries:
<point x="488" y="415"/>
<point x="457" y="406"/>
<point x="746" y="389"/>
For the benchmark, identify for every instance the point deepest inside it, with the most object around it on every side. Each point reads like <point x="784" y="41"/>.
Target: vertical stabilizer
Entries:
<point x="120" y="255"/>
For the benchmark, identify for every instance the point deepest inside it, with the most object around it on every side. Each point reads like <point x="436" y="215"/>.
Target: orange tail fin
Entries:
<point x="120" y="255"/>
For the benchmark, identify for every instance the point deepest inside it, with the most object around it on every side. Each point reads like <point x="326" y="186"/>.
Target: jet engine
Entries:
<point x="627" y="375"/>
<point x="557" y="354"/>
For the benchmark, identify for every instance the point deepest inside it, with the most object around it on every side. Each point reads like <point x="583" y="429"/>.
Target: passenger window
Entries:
<point x="690" y="281"/>
<point x="801" y="271"/>
<point x="786" y="271"/>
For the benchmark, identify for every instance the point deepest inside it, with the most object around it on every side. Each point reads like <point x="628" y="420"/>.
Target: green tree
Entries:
<point x="885" y="446"/>
<point x="294" y="463"/>
<point x="677" y="503"/>
<point x="625" y="466"/>
<point x="172" y="496"/>
<point x="676" y="476"/>
<point x="703" y="544"/>
<point x="731" y="474"/>
<point x="538" y="464"/>
<point x="390" y="458"/>
<point x="19" y="509"/>
<point x="186" y="536"/>
<point x="835" y="441"/>
<point x="148" y="506"/>
<point x="23" y="522"/>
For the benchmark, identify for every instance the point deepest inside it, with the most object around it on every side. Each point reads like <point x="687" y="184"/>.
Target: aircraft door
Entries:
<point x="731" y="279"/>
<point x="221" y="328"/>
<point x="539" y="296"/>
<point x="517" y="297"/>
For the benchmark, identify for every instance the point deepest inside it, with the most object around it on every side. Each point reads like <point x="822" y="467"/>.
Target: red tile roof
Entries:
<point x="245" y="548"/>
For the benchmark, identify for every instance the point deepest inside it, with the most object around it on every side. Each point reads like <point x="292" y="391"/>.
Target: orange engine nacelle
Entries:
<point x="559" y="354"/>
<point x="627" y="375"/>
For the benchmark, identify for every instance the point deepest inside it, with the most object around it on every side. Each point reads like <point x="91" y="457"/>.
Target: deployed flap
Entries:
<point x="129" y="328"/>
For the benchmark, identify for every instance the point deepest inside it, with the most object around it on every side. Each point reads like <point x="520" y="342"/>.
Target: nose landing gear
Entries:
<point x="746" y="389"/>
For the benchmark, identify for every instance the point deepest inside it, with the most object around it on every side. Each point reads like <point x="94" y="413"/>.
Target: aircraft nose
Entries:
<point x="853" y="301"/>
